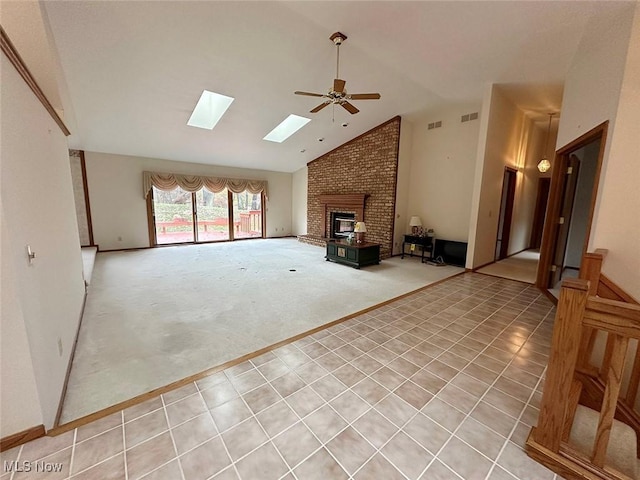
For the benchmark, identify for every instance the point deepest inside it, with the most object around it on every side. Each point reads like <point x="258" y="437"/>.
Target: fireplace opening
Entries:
<point x="342" y="224"/>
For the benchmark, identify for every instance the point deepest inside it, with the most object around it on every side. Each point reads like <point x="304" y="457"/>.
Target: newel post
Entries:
<point x="562" y="362"/>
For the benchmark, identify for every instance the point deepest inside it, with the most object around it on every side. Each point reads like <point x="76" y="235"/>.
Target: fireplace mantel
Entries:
<point x="354" y="201"/>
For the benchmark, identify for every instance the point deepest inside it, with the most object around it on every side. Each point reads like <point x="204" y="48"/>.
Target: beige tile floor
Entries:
<point x="443" y="384"/>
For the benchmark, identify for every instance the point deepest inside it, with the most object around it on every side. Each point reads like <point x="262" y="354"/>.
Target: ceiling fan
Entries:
<point x="338" y="94"/>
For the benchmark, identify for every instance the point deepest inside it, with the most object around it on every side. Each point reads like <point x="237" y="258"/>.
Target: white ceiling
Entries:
<point x="133" y="71"/>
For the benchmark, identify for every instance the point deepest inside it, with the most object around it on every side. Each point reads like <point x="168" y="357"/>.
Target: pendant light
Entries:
<point x="545" y="164"/>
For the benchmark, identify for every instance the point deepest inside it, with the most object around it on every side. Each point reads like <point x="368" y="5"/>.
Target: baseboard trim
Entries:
<point x="69" y="365"/>
<point x="19" y="438"/>
<point x="60" y="429"/>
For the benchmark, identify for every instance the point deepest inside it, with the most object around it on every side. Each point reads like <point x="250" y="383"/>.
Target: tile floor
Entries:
<point x="443" y="384"/>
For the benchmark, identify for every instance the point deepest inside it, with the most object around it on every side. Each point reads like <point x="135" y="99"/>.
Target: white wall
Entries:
<point x="401" y="219"/>
<point x="38" y="210"/>
<point x="118" y="208"/>
<point x="299" y="185"/>
<point x="19" y="403"/>
<point x="505" y="146"/>
<point x="602" y="84"/>
<point x="442" y="173"/>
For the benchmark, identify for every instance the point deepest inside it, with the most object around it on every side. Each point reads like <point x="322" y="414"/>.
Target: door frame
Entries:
<point x="542" y="199"/>
<point x="560" y="164"/>
<point x="507" y="201"/>
<point x="151" y="224"/>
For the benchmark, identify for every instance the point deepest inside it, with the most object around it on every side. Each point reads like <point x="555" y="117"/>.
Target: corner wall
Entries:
<point x="45" y="298"/>
<point x="299" y="202"/>
<point x="119" y="210"/>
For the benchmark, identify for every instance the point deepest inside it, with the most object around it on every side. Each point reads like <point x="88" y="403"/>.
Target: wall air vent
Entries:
<point x="438" y="124"/>
<point x="433" y="125"/>
<point x="468" y="117"/>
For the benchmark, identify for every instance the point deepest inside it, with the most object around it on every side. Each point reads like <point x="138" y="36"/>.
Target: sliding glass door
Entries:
<point x="178" y="216"/>
<point x="173" y="211"/>
<point x="247" y="215"/>
<point x="212" y="210"/>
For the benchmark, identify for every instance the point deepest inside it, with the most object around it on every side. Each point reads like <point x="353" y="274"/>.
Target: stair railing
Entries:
<point x="580" y="317"/>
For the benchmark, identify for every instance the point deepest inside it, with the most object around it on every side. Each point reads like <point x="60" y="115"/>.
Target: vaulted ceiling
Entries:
<point x="130" y="73"/>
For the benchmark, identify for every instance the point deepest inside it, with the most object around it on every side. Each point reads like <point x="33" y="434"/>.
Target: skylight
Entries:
<point x="287" y="127"/>
<point x="209" y="110"/>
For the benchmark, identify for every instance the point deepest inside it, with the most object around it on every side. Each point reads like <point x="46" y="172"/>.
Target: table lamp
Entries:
<point x="360" y="229"/>
<point x="415" y="223"/>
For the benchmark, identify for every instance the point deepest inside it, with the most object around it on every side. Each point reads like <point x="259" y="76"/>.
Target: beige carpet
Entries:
<point x="156" y="316"/>
<point x="522" y="267"/>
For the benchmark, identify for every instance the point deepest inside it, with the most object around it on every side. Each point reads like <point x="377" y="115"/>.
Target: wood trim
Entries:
<point x="19" y="438"/>
<point x="555" y="198"/>
<point x="85" y="187"/>
<point x="608" y="289"/>
<point x="151" y="225"/>
<point x="230" y="219"/>
<point x="16" y="60"/>
<point x="263" y="207"/>
<point x="354" y="201"/>
<point x="59" y="429"/>
<point x="391" y="120"/>
<point x="562" y="361"/>
<point x="634" y="380"/>
<point x="610" y="399"/>
<point x="70" y="363"/>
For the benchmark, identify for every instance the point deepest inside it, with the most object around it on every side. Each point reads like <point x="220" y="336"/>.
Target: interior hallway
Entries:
<point x="522" y="267"/>
<point x="442" y="384"/>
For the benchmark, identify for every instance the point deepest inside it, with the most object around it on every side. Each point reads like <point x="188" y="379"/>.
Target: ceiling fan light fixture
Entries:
<point x="337" y="95"/>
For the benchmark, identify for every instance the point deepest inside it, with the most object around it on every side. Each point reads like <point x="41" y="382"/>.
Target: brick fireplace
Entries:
<point x="358" y="177"/>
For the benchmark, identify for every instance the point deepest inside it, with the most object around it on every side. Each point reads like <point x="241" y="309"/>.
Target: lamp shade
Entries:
<point x="360" y="227"/>
<point x="415" y="221"/>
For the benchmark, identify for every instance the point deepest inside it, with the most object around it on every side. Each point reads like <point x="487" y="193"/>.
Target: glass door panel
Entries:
<point x="247" y="215"/>
<point x="173" y="213"/>
<point x="213" y="215"/>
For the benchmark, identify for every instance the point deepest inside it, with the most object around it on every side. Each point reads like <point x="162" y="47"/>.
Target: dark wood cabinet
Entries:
<point x="354" y="254"/>
<point x="416" y="241"/>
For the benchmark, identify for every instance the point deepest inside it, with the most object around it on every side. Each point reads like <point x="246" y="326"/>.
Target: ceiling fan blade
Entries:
<point x="349" y="107"/>
<point x="309" y="94"/>
<point x="319" y="107"/>
<point x="338" y="85"/>
<point x="364" y="96"/>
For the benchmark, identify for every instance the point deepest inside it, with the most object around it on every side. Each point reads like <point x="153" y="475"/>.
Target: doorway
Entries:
<point x="574" y="185"/>
<point x="506" y="213"/>
<point x="542" y="199"/>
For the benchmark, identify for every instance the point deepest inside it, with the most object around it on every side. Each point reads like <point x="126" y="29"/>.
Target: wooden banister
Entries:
<point x="610" y="401"/>
<point x="565" y="344"/>
<point x="580" y="317"/>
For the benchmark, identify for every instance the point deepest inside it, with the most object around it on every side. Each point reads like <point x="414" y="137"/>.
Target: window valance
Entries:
<point x="193" y="183"/>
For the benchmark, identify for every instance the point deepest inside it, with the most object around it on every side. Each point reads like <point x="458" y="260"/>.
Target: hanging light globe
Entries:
<point x="544" y="165"/>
